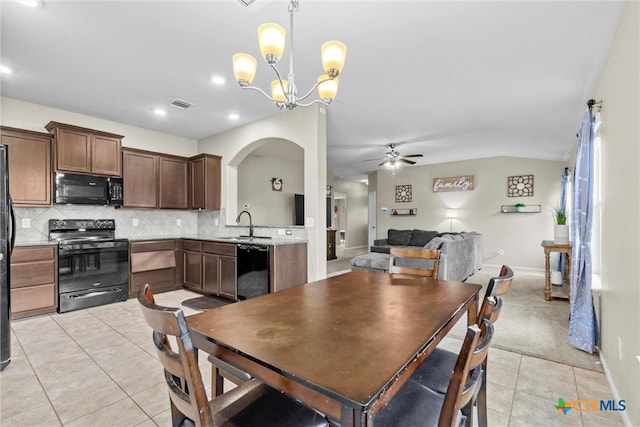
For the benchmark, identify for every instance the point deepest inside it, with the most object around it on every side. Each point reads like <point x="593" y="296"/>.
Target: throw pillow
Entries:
<point x="398" y="237"/>
<point x="421" y="237"/>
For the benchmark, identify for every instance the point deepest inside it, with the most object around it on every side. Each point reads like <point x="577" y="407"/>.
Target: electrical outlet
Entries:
<point x="500" y="252"/>
<point x="215" y="221"/>
<point x="134" y="222"/>
<point x="289" y="232"/>
<point x="619" y="348"/>
<point x="178" y="222"/>
<point x="26" y="223"/>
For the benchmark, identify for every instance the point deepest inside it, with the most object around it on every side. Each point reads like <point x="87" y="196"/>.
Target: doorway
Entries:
<point x="339" y="212"/>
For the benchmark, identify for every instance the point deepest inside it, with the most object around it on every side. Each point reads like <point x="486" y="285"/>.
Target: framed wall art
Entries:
<point x="403" y="193"/>
<point x="520" y="186"/>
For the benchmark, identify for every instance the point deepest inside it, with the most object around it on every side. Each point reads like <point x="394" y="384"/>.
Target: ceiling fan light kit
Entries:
<point x="284" y="93"/>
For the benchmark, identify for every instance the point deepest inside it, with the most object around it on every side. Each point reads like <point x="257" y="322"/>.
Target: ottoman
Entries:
<point x="372" y="261"/>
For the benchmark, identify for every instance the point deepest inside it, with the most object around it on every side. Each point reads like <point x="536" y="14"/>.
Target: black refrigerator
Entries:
<point x="7" y="240"/>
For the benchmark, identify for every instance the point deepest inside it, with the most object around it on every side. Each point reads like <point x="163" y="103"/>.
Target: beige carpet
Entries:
<point x="529" y="324"/>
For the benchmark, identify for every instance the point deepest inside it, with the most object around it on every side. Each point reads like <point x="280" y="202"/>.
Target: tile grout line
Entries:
<point x="515" y="389"/>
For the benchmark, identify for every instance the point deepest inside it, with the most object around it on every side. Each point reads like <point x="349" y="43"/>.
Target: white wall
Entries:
<point x="305" y="127"/>
<point x="268" y="207"/>
<point x="25" y="115"/>
<point x="518" y="234"/>
<point x="618" y="88"/>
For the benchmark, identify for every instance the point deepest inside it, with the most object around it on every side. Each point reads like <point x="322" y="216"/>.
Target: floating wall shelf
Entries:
<point x="521" y="209"/>
<point x="408" y="211"/>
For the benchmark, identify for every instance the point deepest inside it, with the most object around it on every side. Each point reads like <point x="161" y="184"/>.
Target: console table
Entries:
<point x="563" y="291"/>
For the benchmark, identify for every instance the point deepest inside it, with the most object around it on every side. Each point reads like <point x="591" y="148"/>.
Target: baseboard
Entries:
<point x="616" y="395"/>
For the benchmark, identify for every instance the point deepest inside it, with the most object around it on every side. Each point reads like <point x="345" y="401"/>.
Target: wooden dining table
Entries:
<point x="342" y="345"/>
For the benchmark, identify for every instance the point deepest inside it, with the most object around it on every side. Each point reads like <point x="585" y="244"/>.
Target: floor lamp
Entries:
<point x="451" y="214"/>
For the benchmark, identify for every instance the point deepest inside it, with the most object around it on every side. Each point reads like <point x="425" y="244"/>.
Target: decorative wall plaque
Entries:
<point x="520" y="186"/>
<point x="453" y="183"/>
<point x="403" y="193"/>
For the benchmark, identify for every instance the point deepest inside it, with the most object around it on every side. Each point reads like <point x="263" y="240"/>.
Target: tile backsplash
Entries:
<point x="151" y="223"/>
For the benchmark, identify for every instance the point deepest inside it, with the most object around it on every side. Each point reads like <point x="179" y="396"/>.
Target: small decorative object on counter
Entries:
<point x="520" y="207"/>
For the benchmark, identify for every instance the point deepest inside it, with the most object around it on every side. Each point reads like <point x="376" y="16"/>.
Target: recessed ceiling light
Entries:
<point x="218" y="80"/>
<point x="5" y="70"/>
<point x="233" y="116"/>
<point x="31" y="3"/>
<point x="159" y="112"/>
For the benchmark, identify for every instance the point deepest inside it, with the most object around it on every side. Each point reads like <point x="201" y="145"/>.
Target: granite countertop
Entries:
<point x="274" y="241"/>
<point x="35" y="242"/>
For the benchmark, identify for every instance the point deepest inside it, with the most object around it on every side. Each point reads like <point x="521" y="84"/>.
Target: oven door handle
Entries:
<point x="94" y="294"/>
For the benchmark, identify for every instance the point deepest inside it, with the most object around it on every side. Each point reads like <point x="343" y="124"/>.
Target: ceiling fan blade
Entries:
<point x="411" y="162"/>
<point x="413" y="155"/>
<point x="370" y="160"/>
<point x="386" y="161"/>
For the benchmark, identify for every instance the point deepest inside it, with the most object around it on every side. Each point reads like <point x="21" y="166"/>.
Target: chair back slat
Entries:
<point x="467" y="374"/>
<point x="498" y="287"/>
<point x="182" y="373"/>
<point x="414" y="262"/>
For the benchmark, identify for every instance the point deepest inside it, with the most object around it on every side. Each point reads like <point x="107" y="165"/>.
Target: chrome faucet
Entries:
<point x="250" y="221"/>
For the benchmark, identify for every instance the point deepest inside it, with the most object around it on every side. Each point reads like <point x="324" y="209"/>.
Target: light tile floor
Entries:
<point x="98" y="367"/>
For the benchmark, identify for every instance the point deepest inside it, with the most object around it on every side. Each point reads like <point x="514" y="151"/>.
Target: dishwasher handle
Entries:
<point x="259" y="248"/>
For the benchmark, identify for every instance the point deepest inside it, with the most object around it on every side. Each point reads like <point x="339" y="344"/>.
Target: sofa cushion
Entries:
<point x="421" y="237"/>
<point x="398" y="237"/>
<point x="371" y="261"/>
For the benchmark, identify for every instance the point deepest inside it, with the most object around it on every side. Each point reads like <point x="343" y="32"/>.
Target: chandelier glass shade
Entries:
<point x="271" y="40"/>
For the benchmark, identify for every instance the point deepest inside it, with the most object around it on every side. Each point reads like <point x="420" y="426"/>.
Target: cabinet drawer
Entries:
<point x="192" y="245"/>
<point x="154" y="260"/>
<point x="33" y="253"/>
<point x="155" y="245"/>
<point x="32" y="273"/>
<point x="219" y="248"/>
<point x="33" y="297"/>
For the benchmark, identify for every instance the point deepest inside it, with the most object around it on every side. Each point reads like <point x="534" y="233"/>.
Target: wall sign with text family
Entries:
<point x="453" y="183"/>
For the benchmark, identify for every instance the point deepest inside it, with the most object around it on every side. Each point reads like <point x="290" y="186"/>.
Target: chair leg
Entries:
<point x="481" y="402"/>
<point x="177" y="417"/>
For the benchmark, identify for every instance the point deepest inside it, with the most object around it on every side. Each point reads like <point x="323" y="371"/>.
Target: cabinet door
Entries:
<point x="140" y="179"/>
<point x="288" y="266"/>
<point x="205" y="182"/>
<point x="105" y="156"/>
<point x="228" y="280"/>
<point x="29" y="166"/>
<point x="72" y="150"/>
<point x="192" y="269"/>
<point x="211" y="273"/>
<point x="173" y="178"/>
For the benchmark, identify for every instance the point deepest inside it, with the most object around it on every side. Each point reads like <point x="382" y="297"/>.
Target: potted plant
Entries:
<point x="560" y="227"/>
<point x="520" y="207"/>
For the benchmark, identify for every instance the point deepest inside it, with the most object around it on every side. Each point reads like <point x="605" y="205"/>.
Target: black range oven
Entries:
<point x="93" y="266"/>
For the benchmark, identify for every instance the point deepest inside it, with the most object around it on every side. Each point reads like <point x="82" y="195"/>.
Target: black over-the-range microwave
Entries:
<point x="79" y="189"/>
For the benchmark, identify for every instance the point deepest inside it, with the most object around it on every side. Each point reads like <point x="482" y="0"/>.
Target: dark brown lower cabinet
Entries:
<point x="192" y="264"/>
<point x="288" y="266"/>
<point x="219" y="269"/>
<point x="153" y="262"/>
<point x="34" y="284"/>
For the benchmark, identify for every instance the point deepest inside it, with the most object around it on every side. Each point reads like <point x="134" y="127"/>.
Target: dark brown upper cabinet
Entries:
<point x="204" y="171"/>
<point x="82" y="150"/>
<point x="29" y="166"/>
<point x="155" y="180"/>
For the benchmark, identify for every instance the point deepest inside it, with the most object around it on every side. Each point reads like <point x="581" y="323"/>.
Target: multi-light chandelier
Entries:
<point x="271" y="38"/>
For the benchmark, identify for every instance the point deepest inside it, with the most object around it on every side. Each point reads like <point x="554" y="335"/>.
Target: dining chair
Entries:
<point x="417" y="405"/>
<point x="414" y="262"/>
<point x="251" y="403"/>
<point x="435" y="371"/>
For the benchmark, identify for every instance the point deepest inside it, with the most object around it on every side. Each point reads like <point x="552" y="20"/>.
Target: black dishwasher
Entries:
<point x="252" y="270"/>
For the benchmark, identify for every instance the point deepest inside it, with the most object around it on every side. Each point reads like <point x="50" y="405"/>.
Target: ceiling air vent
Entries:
<point x="246" y="3"/>
<point x="181" y="105"/>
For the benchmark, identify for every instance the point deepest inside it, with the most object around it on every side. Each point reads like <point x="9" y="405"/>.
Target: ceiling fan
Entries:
<point x="392" y="157"/>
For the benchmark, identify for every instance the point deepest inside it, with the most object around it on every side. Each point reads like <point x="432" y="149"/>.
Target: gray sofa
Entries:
<point x="460" y="253"/>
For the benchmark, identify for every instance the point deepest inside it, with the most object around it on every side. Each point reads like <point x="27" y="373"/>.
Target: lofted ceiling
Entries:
<point x="453" y="80"/>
